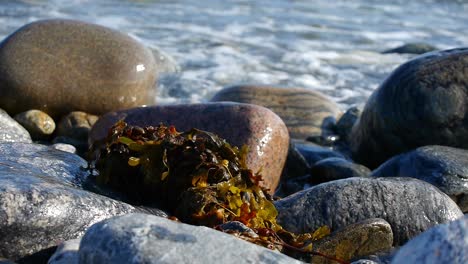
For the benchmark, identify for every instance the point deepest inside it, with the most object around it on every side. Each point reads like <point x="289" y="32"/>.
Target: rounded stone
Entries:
<point x="261" y="130"/>
<point x="38" y="123"/>
<point x="59" y="66"/>
<point x="305" y="112"/>
<point x="332" y="169"/>
<point x="76" y="125"/>
<point x="423" y="102"/>
<point x="11" y="130"/>
<point x="412" y="48"/>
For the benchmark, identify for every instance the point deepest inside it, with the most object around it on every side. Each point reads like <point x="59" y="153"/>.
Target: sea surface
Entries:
<point x="331" y="46"/>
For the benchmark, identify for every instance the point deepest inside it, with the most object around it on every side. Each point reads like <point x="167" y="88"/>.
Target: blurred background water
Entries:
<point x="331" y="46"/>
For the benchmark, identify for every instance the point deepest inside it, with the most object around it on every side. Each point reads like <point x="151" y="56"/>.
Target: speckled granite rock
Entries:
<point x="412" y="48"/>
<point x="41" y="199"/>
<point x="444" y="167"/>
<point x="59" y="66"/>
<point x="12" y="131"/>
<point x="257" y="127"/>
<point x="305" y="112"/>
<point x="357" y="240"/>
<point x="442" y="244"/>
<point x="409" y="205"/>
<point x="66" y="253"/>
<point x="423" y="102"/>
<point x="76" y="125"/>
<point x="331" y="169"/>
<point x="139" y="238"/>
<point x="38" y="123"/>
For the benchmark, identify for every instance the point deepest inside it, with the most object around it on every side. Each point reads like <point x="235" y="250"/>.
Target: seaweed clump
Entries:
<point x="196" y="176"/>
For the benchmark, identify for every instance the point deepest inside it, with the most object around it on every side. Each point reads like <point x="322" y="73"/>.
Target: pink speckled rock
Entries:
<point x="260" y="129"/>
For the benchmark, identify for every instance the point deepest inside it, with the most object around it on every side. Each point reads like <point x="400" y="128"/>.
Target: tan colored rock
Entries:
<point x="76" y="125"/>
<point x="305" y="112"/>
<point x="38" y="123"/>
<point x="59" y="66"/>
<point x="240" y="124"/>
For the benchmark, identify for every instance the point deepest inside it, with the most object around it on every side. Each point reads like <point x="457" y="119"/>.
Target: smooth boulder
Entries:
<point x="11" y="130"/>
<point x="409" y="205"/>
<point x="39" y="124"/>
<point x="305" y="112"/>
<point x="262" y="131"/>
<point x="423" y="102"/>
<point x="332" y="169"/>
<point x="141" y="238"/>
<point x="59" y="66"/>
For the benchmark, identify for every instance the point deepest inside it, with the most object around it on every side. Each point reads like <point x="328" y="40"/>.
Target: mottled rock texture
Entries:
<point x="423" y="102"/>
<point x="410" y="206"/>
<point x="140" y="238"/>
<point x="240" y="124"/>
<point x="38" y="123"/>
<point x="12" y="131"/>
<point x="444" y="167"/>
<point x="66" y="253"/>
<point x="305" y="112"/>
<point x="76" y="125"/>
<point x="59" y="66"/>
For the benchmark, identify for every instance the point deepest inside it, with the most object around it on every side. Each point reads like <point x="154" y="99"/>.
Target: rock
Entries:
<point x="6" y="261"/>
<point x="444" y="167"/>
<point x="140" y="238"/>
<point x="442" y="244"/>
<point x="12" y="131"/>
<point x="346" y="122"/>
<point x="354" y="241"/>
<point x="409" y="205"/>
<point x="64" y="147"/>
<point x="76" y="125"/>
<point x="42" y="200"/>
<point x="421" y="103"/>
<point x="314" y="153"/>
<point x="39" y="124"/>
<point x="59" y="66"/>
<point x="66" y="253"/>
<point x="237" y="227"/>
<point x="80" y="146"/>
<point x="331" y="169"/>
<point x="261" y="130"/>
<point x="294" y="185"/>
<point x="412" y="48"/>
<point x="296" y="165"/>
<point x="305" y="112"/>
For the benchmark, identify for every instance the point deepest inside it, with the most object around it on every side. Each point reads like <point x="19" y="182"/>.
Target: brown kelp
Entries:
<point x="196" y="176"/>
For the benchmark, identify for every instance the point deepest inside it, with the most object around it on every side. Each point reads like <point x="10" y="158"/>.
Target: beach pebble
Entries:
<point x="444" y="167"/>
<point x="12" y="131"/>
<point x="262" y="131"/>
<point x="331" y="169"/>
<point x="42" y="200"/>
<point x="409" y="205"/>
<point x="64" y="147"/>
<point x="314" y="153"/>
<point x="141" y="238"/>
<point x="442" y="244"/>
<point x="305" y="112"/>
<point x="423" y="102"/>
<point x="76" y="125"/>
<point x="296" y="165"/>
<point x="59" y="66"/>
<point x="346" y="122"/>
<point x="66" y="253"/>
<point x="38" y="123"/>
<point x="412" y="48"/>
<point x="354" y="241"/>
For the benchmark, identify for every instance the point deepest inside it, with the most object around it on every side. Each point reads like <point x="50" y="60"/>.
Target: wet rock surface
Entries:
<point x="42" y="201"/>
<point x="305" y="112"/>
<point x="12" y="131"/>
<point x="423" y="102"/>
<point x="59" y="66"/>
<point x="331" y="169"/>
<point x="261" y="130"/>
<point x="314" y="153"/>
<point x="39" y="124"/>
<point x="442" y="244"/>
<point x="140" y="238"/>
<point x="409" y="205"/>
<point x="444" y="167"/>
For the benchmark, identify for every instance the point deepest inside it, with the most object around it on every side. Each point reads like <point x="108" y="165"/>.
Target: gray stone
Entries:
<point x="442" y="244"/>
<point x="38" y="123"/>
<point x="12" y="131"/>
<point x="140" y="238"/>
<point x="64" y="147"/>
<point x="346" y="122"/>
<point x="331" y="169"/>
<point x="409" y="205"/>
<point x="66" y="253"/>
<point x="412" y="48"/>
<point x="59" y="66"/>
<point x="296" y="165"/>
<point x="76" y="125"/>
<point x="305" y="112"/>
<point x="444" y="167"/>
<point x="357" y="240"/>
<point x="314" y="153"/>
<point x="423" y="102"/>
<point x="42" y="200"/>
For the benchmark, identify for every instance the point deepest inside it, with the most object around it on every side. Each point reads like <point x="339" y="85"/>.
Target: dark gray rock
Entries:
<point x="412" y="48"/>
<point x="313" y="152"/>
<point x="331" y="169"/>
<point x="76" y="125"/>
<point x="12" y="131"/>
<point x="296" y="165"/>
<point x="140" y="238"/>
<point x="41" y="199"/>
<point x="346" y="122"/>
<point x="443" y="244"/>
<point x="444" y="167"/>
<point x="409" y="205"/>
<point x="66" y="253"/>
<point x="237" y="227"/>
<point x="423" y="102"/>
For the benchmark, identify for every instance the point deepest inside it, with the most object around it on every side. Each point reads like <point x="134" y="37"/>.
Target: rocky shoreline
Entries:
<point x="391" y="182"/>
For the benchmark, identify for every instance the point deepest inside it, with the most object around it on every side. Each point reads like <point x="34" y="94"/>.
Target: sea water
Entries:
<point x="330" y="46"/>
